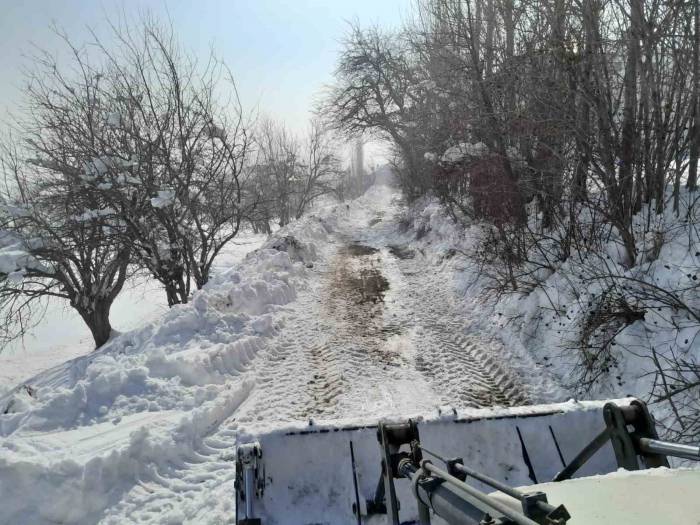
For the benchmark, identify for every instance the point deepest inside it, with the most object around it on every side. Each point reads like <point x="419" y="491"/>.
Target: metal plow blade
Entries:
<point x="331" y="474"/>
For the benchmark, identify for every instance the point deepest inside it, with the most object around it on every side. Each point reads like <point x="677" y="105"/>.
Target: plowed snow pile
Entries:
<point x="346" y="313"/>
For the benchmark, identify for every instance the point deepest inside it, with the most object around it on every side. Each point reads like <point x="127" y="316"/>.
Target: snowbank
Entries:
<point x="604" y="325"/>
<point x="543" y="326"/>
<point x="83" y="433"/>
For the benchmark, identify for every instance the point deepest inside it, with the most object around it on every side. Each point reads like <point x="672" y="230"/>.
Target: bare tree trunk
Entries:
<point x="97" y="321"/>
<point x="629" y="116"/>
<point x="488" y="45"/>
<point x="695" y="101"/>
<point x="583" y="127"/>
<point x="509" y="26"/>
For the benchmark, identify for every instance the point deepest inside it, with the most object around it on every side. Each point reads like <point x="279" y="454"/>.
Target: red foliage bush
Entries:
<point x="493" y="194"/>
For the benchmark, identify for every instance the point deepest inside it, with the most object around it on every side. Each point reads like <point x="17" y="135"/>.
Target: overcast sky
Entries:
<point x="281" y="51"/>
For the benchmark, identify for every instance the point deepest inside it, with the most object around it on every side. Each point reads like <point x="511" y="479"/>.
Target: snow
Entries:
<point x="164" y="198"/>
<point x="16" y="277"/>
<point x="91" y="215"/>
<point x="360" y="311"/>
<point x="184" y="369"/>
<point x="548" y="320"/>
<point x="62" y="335"/>
<point x="96" y="166"/>
<point x="466" y="150"/>
<point x="463" y="151"/>
<point x="14" y="257"/>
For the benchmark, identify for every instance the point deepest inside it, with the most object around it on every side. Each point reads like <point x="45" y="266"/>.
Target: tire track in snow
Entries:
<point x="456" y="357"/>
<point x="185" y="487"/>
<point x="332" y="358"/>
<point x="300" y="377"/>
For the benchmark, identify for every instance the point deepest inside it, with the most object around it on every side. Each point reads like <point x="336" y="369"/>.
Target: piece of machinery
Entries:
<point x="250" y="481"/>
<point x="445" y="493"/>
<point x="432" y="485"/>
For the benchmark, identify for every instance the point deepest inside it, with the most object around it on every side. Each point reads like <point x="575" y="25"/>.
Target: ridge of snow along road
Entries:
<point x="75" y="437"/>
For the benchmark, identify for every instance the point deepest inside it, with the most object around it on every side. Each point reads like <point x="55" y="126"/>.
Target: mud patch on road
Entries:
<point x="358" y="250"/>
<point x="401" y="252"/>
<point x="354" y="298"/>
<point x="368" y="286"/>
<point x="357" y="275"/>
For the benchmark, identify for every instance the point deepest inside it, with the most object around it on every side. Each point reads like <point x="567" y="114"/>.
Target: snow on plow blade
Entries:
<point x="319" y="474"/>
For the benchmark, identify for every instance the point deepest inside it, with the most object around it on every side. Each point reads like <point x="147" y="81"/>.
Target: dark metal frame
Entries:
<point x="629" y="428"/>
<point x="250" y="481"/>
<point x="629" y="445"/>
<point x="445" y="492"/>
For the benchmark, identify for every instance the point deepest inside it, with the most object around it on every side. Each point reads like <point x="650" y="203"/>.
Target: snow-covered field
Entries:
<point x="359" y="311"/>
<point x="61" y="334"/>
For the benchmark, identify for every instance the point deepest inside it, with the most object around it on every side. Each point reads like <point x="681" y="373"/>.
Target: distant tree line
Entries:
<point x="562" y="127"/>
<point x="571" y="101"/>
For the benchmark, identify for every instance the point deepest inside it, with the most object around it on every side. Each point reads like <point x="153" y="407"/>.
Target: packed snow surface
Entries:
<point x="361" y="311"/>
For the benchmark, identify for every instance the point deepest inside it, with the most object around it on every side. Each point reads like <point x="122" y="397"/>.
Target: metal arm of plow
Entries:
<point x="471" y="505"/>
<point x="654" y="446"/>
<point x="534" y="504"/>
<point x="583" y="456"/>
<point x="445" y="493"/>
<point x="630" y="445"/>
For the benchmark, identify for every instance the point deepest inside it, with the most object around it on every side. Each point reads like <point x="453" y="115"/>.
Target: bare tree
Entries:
<point x="695" y="103"/>
<point x="378" y="91"/>
<point x="184" y="148"/>
<point x="291" y="173"/>
<point x="276" y="168"/>
<point x="318" y="168"/>
<point x="129" y="158"/>
<point x="63" y="239"/>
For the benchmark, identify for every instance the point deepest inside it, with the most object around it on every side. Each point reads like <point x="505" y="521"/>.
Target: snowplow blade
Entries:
<point x="321" y="474"/>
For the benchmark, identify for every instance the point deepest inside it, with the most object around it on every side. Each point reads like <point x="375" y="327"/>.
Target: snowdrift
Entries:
<point x="74" y="439"/>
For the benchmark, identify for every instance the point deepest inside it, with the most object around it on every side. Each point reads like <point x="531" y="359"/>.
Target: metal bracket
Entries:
<point x="250" y="480"/>
<point x="391" y="438"/>
<point x="644" y="427"/>
<point x="625" y="443"/>
<point x="452" y="471"/>
<point x="529" y="504"/>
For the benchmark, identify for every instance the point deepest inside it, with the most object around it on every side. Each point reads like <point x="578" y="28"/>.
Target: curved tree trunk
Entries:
<point x="97" y="321"/>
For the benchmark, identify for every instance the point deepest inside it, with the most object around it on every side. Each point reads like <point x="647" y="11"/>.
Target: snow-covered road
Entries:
<point x="355" y="313"/>
<point x="378" y="332"/>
